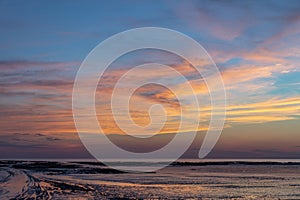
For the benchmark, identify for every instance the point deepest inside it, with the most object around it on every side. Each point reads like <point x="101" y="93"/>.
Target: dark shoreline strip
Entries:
<point x="232" y="163"/>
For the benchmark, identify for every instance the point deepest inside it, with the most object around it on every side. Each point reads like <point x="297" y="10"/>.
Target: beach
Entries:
<point x="180" y="180"/>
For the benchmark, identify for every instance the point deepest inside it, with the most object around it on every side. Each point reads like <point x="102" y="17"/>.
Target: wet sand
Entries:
<point x="90" y="180"/>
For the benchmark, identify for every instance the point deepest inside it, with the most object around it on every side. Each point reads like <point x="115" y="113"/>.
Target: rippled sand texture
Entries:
<point x="53" y="180"/>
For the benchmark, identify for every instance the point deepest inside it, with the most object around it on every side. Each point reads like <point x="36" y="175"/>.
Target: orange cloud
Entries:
<point x="266" y="111"/>
<point x="240" y="78"/>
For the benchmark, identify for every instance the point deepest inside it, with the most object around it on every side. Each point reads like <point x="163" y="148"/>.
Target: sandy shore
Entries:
<point x="90" y="180"/>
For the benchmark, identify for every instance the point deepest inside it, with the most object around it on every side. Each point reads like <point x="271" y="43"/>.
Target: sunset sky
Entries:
<point x="255" y="44"/>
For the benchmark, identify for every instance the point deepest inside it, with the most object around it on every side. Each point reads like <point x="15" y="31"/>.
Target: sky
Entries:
<point x="255" y="45"/>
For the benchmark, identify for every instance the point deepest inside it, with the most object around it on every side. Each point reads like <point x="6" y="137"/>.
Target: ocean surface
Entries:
<point x="184" y="179"/>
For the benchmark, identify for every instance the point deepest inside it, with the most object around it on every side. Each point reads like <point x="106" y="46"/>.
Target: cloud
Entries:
<point x="241" y="81"/>
<point x="40" y="145"/>
<point x="209" y="20"/>
<point x="45" y="103"/>
<point x="290" y="23"/>
<point x="25" y="64"/>
<point x="28" y="140"/>
<point x="266" y="111"/>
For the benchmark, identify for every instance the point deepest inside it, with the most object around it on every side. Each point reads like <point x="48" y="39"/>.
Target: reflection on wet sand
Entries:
<point x="70" y="180"/>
